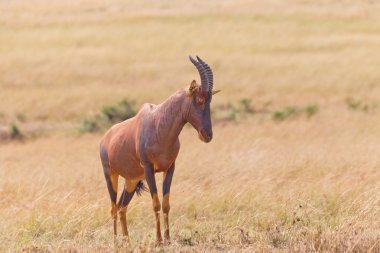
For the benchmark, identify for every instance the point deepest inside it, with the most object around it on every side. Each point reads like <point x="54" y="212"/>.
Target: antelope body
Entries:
<point x="148" y="143"/>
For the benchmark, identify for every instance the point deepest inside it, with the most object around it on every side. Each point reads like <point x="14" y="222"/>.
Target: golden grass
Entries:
<point x="301" y="185"/>
<point x="268" y="190"/>
<point x="82" y="56"/>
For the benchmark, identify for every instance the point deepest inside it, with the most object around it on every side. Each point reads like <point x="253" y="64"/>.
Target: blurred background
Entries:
<point x="294" y="165"/>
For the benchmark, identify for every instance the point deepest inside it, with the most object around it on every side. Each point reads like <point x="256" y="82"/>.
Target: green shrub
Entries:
<point x="311" y="110"/>
<point x="285" y="113"/>
<point x="353" y="104"/>
<point x="278" y="115"/>
<point x="21" y="117"/>
<point x="88" y="126"/>
<point x="246" y="105"/>
<point x="234" y="112"/>
<point x="109" y="115"/>
<point x="14" y="132"/>
<point x="292" y="111"/>
<point x="120" y="112"/>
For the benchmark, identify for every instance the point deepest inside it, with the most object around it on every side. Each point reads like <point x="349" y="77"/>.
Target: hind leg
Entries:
<point x="125" y="198"/>
<point x="112" y="183"/>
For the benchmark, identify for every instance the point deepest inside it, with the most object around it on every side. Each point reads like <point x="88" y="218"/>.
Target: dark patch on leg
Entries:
<point x="125" y="198"/>
<point x="113" y="194"/>
<point x="168" y="180"/>
<point x="107" y="173"/>
<point x="150" y="179"/>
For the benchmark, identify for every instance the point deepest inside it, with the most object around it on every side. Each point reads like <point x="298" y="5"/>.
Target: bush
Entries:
<point x="14" y="132"/>
<point x="122" y="111"/>
<point x="246" y="105"/>
<point x="353" y="104"/>
<point x="292" y="111"/>
<point x="109" y="115"/>
<point x="21" y="117"/>
<point x="311" y="110"/>
<point x="234" y="112"/>
<point x="88" y="126"/>
<point x="285" y="113"/>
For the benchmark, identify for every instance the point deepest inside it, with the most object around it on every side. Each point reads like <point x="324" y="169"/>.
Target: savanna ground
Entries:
<point x="298" y="171"/>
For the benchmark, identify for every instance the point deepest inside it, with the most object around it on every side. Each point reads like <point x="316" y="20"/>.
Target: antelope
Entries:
<point x="138" y="148"/>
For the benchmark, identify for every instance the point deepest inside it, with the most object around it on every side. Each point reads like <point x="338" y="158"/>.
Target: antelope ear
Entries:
<point x="193" y="86"/>
<point x="215" y="91"/>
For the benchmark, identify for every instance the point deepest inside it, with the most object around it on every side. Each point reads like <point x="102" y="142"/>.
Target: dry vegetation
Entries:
<point x="297" y="184"/>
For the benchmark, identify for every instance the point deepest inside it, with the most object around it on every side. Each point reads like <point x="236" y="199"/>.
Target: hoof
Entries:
<point x="159" y="242"/>
<point x="126" y="240"/>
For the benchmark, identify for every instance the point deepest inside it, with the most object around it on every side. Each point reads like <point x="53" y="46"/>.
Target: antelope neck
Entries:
<point x="170" y="118"/>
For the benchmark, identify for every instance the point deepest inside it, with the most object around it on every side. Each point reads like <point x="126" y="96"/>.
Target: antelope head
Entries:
<point x="199" y="111"/>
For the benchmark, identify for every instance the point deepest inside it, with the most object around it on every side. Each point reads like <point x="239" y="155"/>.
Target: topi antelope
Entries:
<point x="148" y="143"/>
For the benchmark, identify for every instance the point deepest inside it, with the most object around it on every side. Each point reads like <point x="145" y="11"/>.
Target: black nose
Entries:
<point x="207" y="136"/>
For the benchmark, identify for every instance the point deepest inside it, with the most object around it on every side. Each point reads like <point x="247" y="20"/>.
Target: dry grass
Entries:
<point x="299" y="185"/>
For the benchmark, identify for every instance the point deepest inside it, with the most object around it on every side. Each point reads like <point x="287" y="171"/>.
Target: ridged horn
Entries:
<point x="202" y="73"/>
<point x="209" y="74"/>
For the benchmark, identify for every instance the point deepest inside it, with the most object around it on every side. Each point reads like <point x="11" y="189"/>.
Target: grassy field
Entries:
<point x="281" y="178"/>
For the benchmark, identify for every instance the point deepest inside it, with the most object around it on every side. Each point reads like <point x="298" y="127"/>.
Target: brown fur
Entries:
<point x="148" y="143"/>
<point x="159" y="127"/>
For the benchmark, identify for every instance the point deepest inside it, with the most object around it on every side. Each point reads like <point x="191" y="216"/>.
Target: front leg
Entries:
<point x="151" y="180"/>
<point x="126" y="197"/>
<point x="165" y="202"/>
